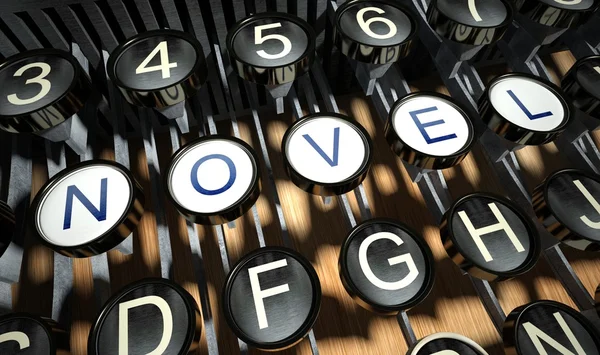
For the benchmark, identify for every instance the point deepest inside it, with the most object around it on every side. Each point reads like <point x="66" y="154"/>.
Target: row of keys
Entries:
<point x="43" y="88"/>
<point x="157" y="316"/>
<point x="216" y="179"/>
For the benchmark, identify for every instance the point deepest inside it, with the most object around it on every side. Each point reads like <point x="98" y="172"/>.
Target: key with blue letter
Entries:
<point x="429" y="130"/>
<point x="88" y="209"/>
<point x="326" y="154"/>
<point x="213" y="180"/>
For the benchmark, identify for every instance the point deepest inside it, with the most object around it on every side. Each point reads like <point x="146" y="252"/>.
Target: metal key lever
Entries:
<point x="19" y="190"/>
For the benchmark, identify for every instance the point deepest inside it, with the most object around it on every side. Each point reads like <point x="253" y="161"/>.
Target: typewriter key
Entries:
<point x="7" y="226"/>
<point x="548" y="327"/>
<point x="489" y="237"/>
<point x="386" y="267"/>
<point x="446" y="344"/>
<point x="470" y="22"/>
<point x="582" y="85"/>
<point x="375" y="32"/>
<point x="327" y="153"/>
<point x="557" y="13"/>
<point x="158" y="68"/>
<point x="27" y="334"/>
<point x="429" y="130"/>
<point x="151" y="316"/>
<point x="213" y="180"/>
<point x="524" y="109"/>
<point x="271" y="48"/>
<point x="567" y="204"/>
<point x="272" y="298"/>
<point x="88" y="209"/>
<point x="40" y="89"/>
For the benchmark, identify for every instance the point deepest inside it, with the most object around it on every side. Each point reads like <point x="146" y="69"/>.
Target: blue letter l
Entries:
<point x="522" y="107"/>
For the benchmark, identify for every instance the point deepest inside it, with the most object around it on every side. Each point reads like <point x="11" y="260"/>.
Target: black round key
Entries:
<point x="374" y="31"/>
<point x="582" y="85"/>
<point x="472" y="22"/>
<point x="150" y="316"/>
<point x="271" y="48"/>
<point x="568" y="204"/>
<point x="271" y="298"/>
<point x="88" y="209"/>
<point x="548" y="327"/>
<point x="40" y="89"/>
<point x="327" y="153"/>
<point x="385" y="266"/>
<point x="524" y="109"/>
<point x="7" y="226"/>
<point x="490" y="237"/>
<point x="213" y="179"/>
<point x="158" y="68"/>
<point x="27" y="334"/>
<point x="446" y="344"/>
<point x="429" y="130"/>
<point x="557" y="13"/>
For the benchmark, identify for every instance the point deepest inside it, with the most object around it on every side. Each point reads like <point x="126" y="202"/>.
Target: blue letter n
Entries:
<point x="73" y="191"/>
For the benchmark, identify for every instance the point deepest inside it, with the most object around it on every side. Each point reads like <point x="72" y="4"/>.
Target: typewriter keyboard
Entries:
<point x="415" y="177"/>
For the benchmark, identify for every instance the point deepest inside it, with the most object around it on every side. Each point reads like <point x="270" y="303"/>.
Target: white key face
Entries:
<point x="431" y="126"/>
<point x="326" y="150"/>
<point x="527" y="104"/>
<point x="211" y="176"/>
<point x="83" y="205"/>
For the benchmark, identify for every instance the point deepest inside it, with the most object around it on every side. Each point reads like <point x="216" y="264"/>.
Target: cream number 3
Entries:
<point x="40" y="80"/>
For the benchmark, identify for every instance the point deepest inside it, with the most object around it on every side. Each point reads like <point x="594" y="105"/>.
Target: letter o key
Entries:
<point x="213" y="179"/>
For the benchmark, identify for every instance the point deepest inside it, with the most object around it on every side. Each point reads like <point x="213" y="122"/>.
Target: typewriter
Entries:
<point x="312" y="177"/>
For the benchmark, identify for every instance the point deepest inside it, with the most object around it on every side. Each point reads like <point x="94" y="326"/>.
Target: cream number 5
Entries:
<point x="40" y="79"/>
<point x="259" y="39"/>
<point x="364" y="25"/>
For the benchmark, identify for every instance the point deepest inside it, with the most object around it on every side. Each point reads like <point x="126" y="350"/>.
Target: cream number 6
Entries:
<point x="364" y="25"/>
<point x="258" y="39"/>
<point x="40" y="79"/>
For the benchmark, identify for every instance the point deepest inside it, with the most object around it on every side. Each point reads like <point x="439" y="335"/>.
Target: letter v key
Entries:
<point x="336" y="147"/>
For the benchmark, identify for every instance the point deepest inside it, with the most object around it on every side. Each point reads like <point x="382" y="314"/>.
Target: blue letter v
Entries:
<point x="336" y="147"/>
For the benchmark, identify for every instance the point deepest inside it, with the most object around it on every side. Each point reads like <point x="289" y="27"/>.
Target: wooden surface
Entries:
<point x="317" y="231"/>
